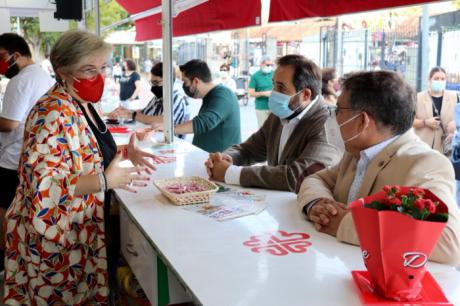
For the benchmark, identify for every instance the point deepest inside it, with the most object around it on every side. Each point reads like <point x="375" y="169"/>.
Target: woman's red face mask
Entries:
<point x="90" y="90"/>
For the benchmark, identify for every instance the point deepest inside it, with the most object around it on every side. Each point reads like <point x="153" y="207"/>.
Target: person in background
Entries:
<point x="117" y="72"/>
<point x="28" y="82"/>
<point x="298" y="138"/>
<point x="153" y="112"/>
<point x="375" y="113"/>
<point x="178" y="75"/>
<point x="260" y="87"/>
<point x="46" y="65"/>
<point x="225" y="78"/>
<point x="1" y="93"/>
<point x="434" y="118"/>
<point x="130" y="82"/>
<point x="147" y="66"/>
<point x="57" y="223"/>
<point x="455" y="157"/>
<point x="217" y="125"/>
<point x="329" y="80"/>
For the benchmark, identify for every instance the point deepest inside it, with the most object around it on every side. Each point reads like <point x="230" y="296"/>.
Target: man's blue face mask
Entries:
<point x="279" y="104"/>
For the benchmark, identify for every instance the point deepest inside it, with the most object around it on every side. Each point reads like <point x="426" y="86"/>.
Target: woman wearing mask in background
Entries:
<point x="330" y="82"/>
<point x="225" y="78"/>
<point x="435" y="111"/>
<point x="153" y="112"/>
<point x="56" y="244"/>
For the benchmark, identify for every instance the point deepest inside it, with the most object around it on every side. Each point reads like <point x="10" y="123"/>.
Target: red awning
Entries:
<point x="210" y="16"/>
<point x="138" y="6"/>
<point x="283" y="10"/>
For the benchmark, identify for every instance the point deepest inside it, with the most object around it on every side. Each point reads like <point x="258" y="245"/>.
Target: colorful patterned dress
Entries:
<point x="55" y="249"/>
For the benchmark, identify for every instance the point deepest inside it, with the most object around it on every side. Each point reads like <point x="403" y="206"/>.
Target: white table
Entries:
<point x="215" y="268"/>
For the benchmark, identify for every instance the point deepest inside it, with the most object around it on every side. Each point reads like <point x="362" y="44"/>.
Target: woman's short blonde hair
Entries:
<point x="73" y="47"/>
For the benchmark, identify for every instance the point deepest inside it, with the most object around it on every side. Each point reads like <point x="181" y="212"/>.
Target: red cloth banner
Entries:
<point x="396" y="247"/>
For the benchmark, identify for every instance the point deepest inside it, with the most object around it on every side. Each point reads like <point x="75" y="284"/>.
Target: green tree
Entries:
<point x="40" y="42"/>
<point x="109" y="13"/>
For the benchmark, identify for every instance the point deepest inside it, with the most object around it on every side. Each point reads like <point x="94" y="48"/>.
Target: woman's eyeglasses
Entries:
<point x="92" y="73"/>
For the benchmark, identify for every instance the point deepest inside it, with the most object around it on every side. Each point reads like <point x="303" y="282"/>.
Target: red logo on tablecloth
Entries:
<point x="279" y="243"/>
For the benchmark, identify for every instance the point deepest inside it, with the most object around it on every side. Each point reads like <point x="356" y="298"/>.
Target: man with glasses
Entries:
<point x="260" y="87"/>
<point x="298" y="138"/>
<point x="375" y="113"/>
<point x="28" y="82"/>
<point x="152" y="113"/>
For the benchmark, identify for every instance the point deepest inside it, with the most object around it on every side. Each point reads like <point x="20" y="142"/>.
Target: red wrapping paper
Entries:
<point x="395" y="247"/>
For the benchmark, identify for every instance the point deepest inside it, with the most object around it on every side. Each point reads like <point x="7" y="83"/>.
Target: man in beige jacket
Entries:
<point x="375" y="113"/>
<point x="298" y="138"/>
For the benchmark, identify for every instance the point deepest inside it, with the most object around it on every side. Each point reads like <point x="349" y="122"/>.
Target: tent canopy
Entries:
<point x="212" y="15"/>
<point x="284" y="10"/>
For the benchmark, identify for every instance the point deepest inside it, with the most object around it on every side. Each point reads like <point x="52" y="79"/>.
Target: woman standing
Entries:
<point x="435" y="111"/>
<point x="130" y="82"/>
<point x="328" y="91"/>
<point x="55" y="249"/>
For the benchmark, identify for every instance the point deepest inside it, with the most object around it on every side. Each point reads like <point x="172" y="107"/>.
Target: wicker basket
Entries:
<point x="189" y="197"/>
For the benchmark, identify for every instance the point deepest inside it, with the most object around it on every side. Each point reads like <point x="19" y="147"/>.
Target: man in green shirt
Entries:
<point x="217" y="125"/>
<point x="260" y="87"/>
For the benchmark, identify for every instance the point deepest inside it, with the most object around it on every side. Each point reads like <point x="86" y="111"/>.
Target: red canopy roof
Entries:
<point x="138" y="6"/>
<point x="216" y="15"/>
<point x="282" y="10"/>
<point x="210" y="16"/>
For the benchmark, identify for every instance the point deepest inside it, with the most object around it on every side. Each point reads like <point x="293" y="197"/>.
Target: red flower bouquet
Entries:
<point x="398" y="229"/>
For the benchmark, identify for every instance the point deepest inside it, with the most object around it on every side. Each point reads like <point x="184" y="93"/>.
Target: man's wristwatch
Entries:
<point x="133" y="115"/>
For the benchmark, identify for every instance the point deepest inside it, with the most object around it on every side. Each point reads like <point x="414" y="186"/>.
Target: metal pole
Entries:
<point x="341" y="52"/>
<point x="339" y="48"/>
<point x="320" y="44"/>
<point x="366" y="41"/>
<point x="382" y="52"/>
<point x="167" y="70"/>
<point x="439" y="53"/>
<point x="18" y="25"/>
<point x="246" y="49"/>
<point x="326" y="49"/>
<point x="97" y="24"/>
<point x="425" y="47"/>
<point x="418" y="80"/>
<point x="336" y="44"/>
<point x="85" y="24"/>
